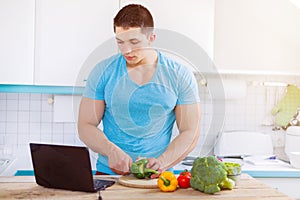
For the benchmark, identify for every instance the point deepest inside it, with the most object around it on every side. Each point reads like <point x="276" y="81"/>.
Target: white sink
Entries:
<point x="243" y="143"/>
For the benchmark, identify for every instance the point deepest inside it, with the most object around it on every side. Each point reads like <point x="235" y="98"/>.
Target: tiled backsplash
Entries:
<point x="250" y="113"/>
<point x="28" y="117"/>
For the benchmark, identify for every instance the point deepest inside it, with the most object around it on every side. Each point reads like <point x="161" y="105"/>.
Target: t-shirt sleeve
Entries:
<point x="187" y="88"/>
<point x="94" y="88"/>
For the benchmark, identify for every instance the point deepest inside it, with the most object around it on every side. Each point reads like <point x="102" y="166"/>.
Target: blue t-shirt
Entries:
<point x="139" y="119"/>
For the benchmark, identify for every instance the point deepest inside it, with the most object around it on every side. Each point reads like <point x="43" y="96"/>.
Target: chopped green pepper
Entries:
<point x="233" y="168"/>
<point x="139" y="169"/>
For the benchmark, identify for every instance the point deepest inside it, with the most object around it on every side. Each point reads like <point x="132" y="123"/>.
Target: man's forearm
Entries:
<point x="95" y="139"/>
<point x="178" y="149"/>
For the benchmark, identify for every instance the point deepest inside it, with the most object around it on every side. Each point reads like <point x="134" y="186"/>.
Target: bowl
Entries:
<point x="234" y="171"/>
<point x="236" y="178"/>
<point x="295" y="159"/>
<point x="233" y="168"/>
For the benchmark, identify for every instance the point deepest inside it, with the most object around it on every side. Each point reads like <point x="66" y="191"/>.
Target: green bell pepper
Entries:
<point x="139" y="169"/>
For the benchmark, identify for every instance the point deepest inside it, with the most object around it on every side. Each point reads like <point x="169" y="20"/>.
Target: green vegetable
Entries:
<point x="233" y="168"/>
<point x="227" y="183"/>
<point x="139" y="169"/>
<point x="209" y="175"/>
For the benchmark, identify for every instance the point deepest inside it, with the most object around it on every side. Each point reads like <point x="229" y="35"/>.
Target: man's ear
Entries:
<point x="152" y="37"/>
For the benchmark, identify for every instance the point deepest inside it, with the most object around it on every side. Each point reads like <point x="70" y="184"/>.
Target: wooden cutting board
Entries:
<point x="131" y="181"/>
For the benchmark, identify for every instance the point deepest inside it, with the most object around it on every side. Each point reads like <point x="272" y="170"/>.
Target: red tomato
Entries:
<point x="184" y="179"/>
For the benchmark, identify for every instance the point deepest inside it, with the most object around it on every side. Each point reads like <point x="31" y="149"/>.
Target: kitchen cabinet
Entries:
<point x="60" y="35"/>
<point x="257" y="37"/>
<point x="194" y="19"/>
<point x="67" y="32"/>
<point x="16" y="41"/>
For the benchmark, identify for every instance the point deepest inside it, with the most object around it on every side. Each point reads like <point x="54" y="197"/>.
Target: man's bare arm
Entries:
<point x="90" y="115"/>
<point x="188" y="118"/>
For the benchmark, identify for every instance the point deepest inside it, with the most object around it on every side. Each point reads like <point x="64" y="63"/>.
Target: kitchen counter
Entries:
<point x="25" y="188"/>
<point x="277" y="174"/>
<point x="278" y="169"/>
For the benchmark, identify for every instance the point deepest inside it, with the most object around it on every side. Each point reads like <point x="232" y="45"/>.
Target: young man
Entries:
<point x="138" y="94"/>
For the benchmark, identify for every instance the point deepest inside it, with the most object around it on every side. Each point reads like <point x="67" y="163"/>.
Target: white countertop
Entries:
<point x="278" y="169"/>
<point x="268" y="170"/>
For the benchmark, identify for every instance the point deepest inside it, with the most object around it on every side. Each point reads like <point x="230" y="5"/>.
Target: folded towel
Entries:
<point x="286" y="109"/>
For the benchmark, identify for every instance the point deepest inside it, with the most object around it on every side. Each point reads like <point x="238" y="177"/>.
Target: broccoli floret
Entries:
<point x="227" y="183"/>
<point x="208" y="173"/>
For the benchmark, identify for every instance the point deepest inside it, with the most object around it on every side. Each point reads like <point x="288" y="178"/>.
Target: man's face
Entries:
<point x="133" y="44"/>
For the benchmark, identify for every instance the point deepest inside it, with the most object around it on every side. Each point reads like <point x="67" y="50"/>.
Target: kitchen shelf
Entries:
<point x="258" y="72"/>
<point x="68" y="90"/>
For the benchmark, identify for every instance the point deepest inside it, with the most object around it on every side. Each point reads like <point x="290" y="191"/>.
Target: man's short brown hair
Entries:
<point x="134" y="15"/>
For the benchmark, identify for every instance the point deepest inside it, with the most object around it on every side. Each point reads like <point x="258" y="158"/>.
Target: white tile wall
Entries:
<point x="251" y="113"/>
<point x="28" y="118"/>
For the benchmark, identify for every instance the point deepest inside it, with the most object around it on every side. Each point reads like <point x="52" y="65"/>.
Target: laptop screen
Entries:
<point x="62" y="167"/>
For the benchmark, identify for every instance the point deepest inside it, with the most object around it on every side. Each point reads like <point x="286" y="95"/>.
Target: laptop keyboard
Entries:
<point x="100" y="184"/>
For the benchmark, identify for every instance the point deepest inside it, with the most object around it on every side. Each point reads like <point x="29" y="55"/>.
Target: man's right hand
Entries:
<point x="119" y="162"/>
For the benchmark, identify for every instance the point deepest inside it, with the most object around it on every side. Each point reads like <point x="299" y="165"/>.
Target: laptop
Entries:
<point x="65" y="167"/>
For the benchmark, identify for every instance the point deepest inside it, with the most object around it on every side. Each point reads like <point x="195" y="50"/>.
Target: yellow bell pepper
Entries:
<point x="167" y="182"/>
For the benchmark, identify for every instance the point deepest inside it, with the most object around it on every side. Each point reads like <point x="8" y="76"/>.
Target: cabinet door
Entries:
<point x="16" y="41"/>
<point x="193" y="18"/>
<point x="67" y="32"/>
<point x="257" y="37"/>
